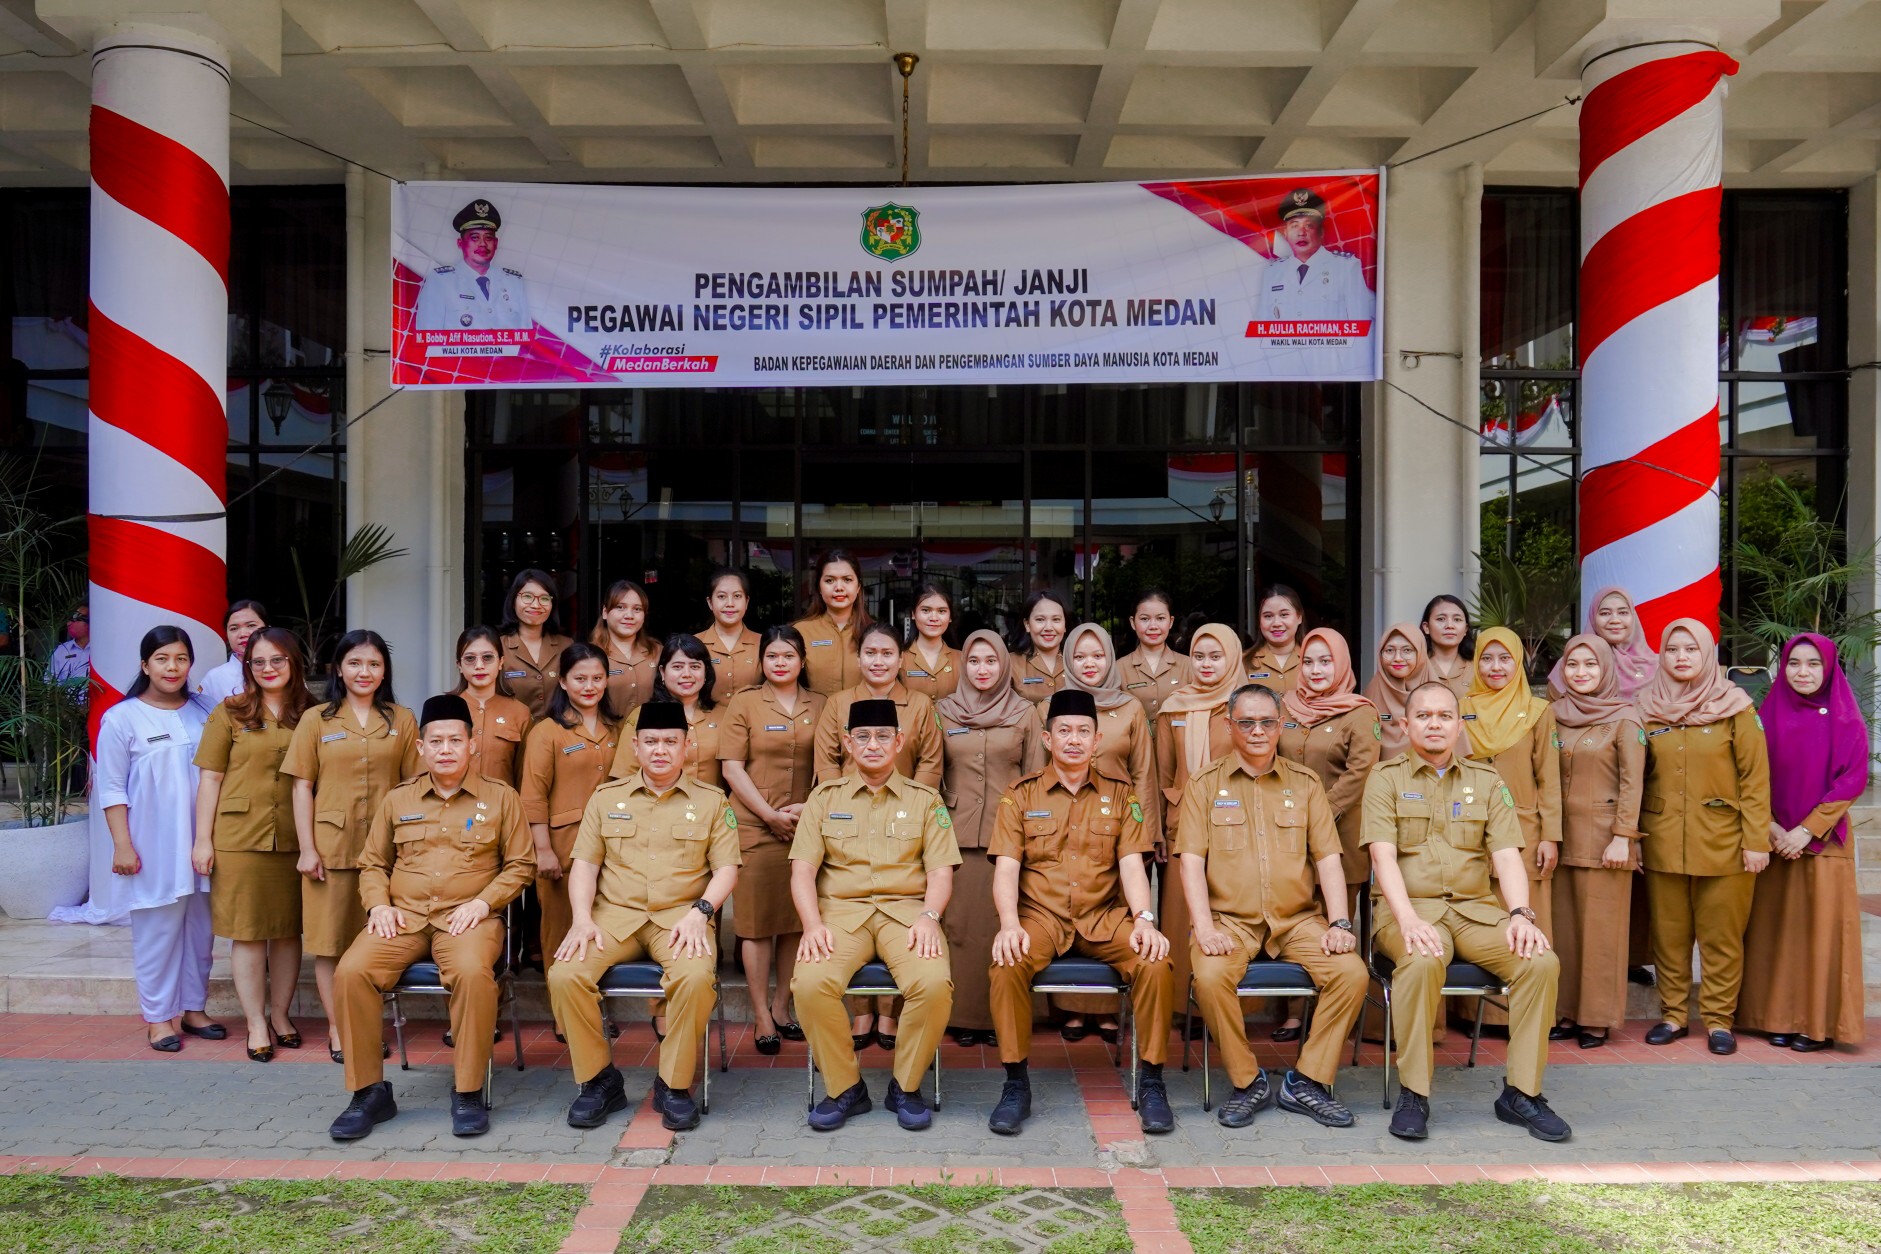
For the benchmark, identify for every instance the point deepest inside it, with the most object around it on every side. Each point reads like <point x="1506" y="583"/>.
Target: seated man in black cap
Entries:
<point x="1067" y="847"/>
<point x="872" y="869"/>
<point x="656" y="856"/>
<point x="477" y="295"/>
<point x="446" y="852"/>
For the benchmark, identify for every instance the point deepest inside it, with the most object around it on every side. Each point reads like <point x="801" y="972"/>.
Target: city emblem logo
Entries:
<point x="891" y="231"/>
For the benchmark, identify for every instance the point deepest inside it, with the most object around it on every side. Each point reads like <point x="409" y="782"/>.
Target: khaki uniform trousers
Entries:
<point x="466" y="966"/>
<point x="690" y="986"/>
<point x="1414" y="997"/>
<point x="1152" y="989"/>
<point x="1340" y="978"/>
<point x="1712" y="910"/>
<point x="927" y="992"/>
<point x="552" y="900"/>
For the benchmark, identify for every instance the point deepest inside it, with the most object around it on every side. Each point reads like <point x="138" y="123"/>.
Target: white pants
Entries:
<point x="170" y="951"/>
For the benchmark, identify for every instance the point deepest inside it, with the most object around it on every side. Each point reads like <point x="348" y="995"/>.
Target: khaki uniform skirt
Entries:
<point x="255" y="896"/>
<point x="331" y="914"/>
<point x="761" y="905"/>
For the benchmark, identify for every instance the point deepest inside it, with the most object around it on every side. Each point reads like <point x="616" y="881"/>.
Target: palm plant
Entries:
<point x="1535" y="602"/>
<point x="1797" y="576"/>
<point x="364" y="549"/>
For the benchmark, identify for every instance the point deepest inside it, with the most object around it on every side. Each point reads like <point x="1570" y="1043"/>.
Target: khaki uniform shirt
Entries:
<point x="980" y="764"/>
<point x="933" y="682"/>
<point x="873" y="848"/>
<point x="531" y="680"/>
<point x="1603" y="772"/>
<point x="702" y="748"/>
<point x="1263" y="837"/>
<point x="1068" y="847"/>
<point x="777" y="750"/>
<point x="1531" y="767"/>
<point x="1264" y="667"/>
<point x="1342" y="751"/>
<point x="1707" y="796"/>
<point x="830" y="653"/>
<point x="562" y="766"/>
<point x="1128" y="751"/>
<point x="657" y="852"/>
<point x="920" y="756"/>
<point x="736" y="669"/>
<point x="351" y="769"/>
<point x="630" y="679"/>
<point x="1445" y="829"/>
<point x="427" y="855"/>
<point x="497" y="728"/>
<point x="1458" y="683"/>
<point x="255" y="809"/>
<point x="1032" y="681"/>
<point x="1151" y="687"/>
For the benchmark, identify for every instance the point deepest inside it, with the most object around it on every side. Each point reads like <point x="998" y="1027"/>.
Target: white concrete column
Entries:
<point x="1864" y="385"/>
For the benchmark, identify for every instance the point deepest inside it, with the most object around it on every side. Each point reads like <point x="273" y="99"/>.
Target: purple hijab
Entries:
<point x="1818" y="744"/>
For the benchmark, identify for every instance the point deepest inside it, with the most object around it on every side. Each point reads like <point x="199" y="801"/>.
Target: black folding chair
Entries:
<point x="1264" y="978"/>
<point x="1090" y="978"/>
<point x="641" y="981"/>
<point x="872" y="979"/>
<point x="422" y="979"/>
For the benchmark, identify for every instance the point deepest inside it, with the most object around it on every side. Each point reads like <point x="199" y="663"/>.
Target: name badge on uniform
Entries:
<point x="777" y="727"/>
<point x="817" y="644"/>
<point x="1294" y="726"/>
<point x="575" y="748"/>
<point x="515" y="674"/>
<point x="617" y="670"/>
<point x="1178" y="722"/>
<point x="1412" y="796"/>
<point x="1662" y="731"/>
<point x="1144" y="684"/>
<point x="1384" y="718"/>
<point x="1469" y="718"/>
<point x="958" y="731"/>
<point x="151" y="740"/>
<point x="834" y="815"/>
<point x="332" y="736"/>
<point x="1038" y="814"/>
<point x="919" y="675"/>
<point x="1227" y="805"/>
<point x="1034" y="680"/>
<point x="1260" y="674"/>
<point x="410" y="818"/>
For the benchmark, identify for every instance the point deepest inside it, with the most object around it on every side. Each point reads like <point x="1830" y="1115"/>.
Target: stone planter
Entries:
<point x="44" y="867"/>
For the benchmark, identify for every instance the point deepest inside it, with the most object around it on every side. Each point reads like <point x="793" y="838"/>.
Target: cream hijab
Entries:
<point x="1309" y="709"/>
<point x="1391" y="695"/>
<point x="1109" y="693"/>
<point x="1000" y="705"/>
<point x="1196" y="697"/>
<point x="1708" y="697"/>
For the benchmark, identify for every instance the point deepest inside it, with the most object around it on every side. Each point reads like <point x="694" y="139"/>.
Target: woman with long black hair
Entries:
<point x="1447" y="643"/>
<point x="929" y="665"/>
<point x="621" y="633"/>
<point x="1273" y="661"/>
<point x="533" y="639"/>
<point x="498" y="721"/>
<point x="1038" y="662"/>
<point x="734" y="647"/>
<point x="686" y="676"/>
<point x="829" y="634"/>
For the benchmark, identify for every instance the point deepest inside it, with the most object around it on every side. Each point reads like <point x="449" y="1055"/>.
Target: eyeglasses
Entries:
<point x="79" y="618"/>
<point x="535" y="598"/>
<point x="1261" y="724"/>
<point x="874" y="737"/>
<point x="267" y="663"/>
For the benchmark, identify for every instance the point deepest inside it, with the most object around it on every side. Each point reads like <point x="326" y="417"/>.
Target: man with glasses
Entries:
<point x="871" y="872"/>
<point x="71" y="661"/>
<point x="1068" y="877"/>
<point x="1254" y="837"/>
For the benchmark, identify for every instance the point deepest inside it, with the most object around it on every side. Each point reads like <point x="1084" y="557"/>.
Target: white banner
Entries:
<point x="1245" y="279"/>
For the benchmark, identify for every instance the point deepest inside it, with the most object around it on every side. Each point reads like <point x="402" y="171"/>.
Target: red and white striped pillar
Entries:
<point x="1652" y="155"/>
<point x="159" y="348"/>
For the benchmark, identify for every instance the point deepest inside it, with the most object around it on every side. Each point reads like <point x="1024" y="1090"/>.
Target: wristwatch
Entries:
<point x="705" y="907"/>
<point x="1525" y="912"/>
<point x="1344" y="925"/>
<point x="1146" y="916"/>
<point x="931" y="914"/>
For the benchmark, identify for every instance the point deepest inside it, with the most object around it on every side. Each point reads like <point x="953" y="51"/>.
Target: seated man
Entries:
<point x="1068" y="877"/>
<point x="1255" y="831"/>
<point x="656" y="856"/>
<point x="871" y="871"/>
<point x="445" y="852"/>
<point x="1435" y="823"/>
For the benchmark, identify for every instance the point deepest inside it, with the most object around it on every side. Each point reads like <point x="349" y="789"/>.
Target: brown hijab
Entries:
<point x="1604" y="704"/>
<point x="1391" y="695"/>
<point x="1195" y="697"/>
<point x="1708" y="697"/>
<point x="1108" y="694"/>
<point x="1309" y="709"/>
<point x="999" y="706"/>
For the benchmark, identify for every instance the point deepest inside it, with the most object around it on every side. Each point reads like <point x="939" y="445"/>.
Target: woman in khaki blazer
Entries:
<point x="1273" y="661"/>
<point x="829" y="635"/>
<point x="533" y="639"/>
<point x="632" y="657"/>
<point x="498" y="721"/>
<point x="734" y="647"/>
<point x="931" y="666"/>
<point x="1152" y="670"/>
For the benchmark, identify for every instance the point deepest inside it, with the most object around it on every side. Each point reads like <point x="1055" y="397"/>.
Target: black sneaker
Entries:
<point x="1244" y="1103"/>
<point x="370" y="1106"/>
<point x="1152" y="1104"/>
<point x="1533" y="1113"/>
<point x="678" y="1112"/>
<point x="1304" y="1095"/>
<point x="911" y="1111"/>
<point x="469" y="1116"/>
<point x="834" y="1111"/>
<point x="1411" y="1120"/>
<point x="599" y="1098"/>
<point x="1015" y="1107"/>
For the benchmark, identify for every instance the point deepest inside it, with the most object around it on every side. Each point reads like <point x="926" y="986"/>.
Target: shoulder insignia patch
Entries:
<point x="1557" y="740"/>
<point x="1378" y="730"/>
<point x="1508" y="798"/>
<point x="1641" y="733"/>
<point x="1758" y="718"/>
<point x="1006" y="801"/>
<point x="1136" y="811"/>
<point x="731" y="820"/>
<point x="941" y="816"/>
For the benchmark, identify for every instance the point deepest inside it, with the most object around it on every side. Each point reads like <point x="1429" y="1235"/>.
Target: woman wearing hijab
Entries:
<point x="1603" y="769"/>
<point x="1402" y="666"/>
<point x="1706" y="816"/>
<point x="1802" y="976"/>
<point x="1611" y="618"/>
<point x="989" y="738"/>
<point x="1512" y="729"/>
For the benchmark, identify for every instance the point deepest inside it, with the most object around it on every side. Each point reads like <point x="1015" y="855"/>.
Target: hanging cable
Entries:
<point x="351" y="423"/>
<point x="1571" y="100"/>
<point x="308" y="143"/>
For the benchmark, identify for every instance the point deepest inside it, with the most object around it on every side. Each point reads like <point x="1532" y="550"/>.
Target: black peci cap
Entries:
<point x="1302" y="200"/>
<point x="444" y="707"/>
<point x="661" y="716"/>
<point x="477" y="215"/>
<point x="1071" y="701"/>
<point x="873" y="713"/>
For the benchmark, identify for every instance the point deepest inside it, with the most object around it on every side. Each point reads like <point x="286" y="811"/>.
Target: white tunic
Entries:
<point x="220" y="683"/>
<point x="146" y="760"/>
<point x="1329" y="286"/>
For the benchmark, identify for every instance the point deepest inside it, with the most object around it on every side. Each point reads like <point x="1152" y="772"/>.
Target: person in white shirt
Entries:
<point x="219" y="683"/>
<point x="479" y="294"/>
<point x="1314" y="283"/>
<point x="71" y="661"/>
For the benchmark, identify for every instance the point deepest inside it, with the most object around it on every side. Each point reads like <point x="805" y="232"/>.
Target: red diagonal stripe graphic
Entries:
<point x="1642" y="99"/>
<point x="1697" y="600"/>
<point x="1653" y="256"/>
<point x="159" y="400"/>
<point x="140" y="562"/>
<point x="103" y="697"/>
<point x="1626" y="497"/>
<point x="157" y="178"/>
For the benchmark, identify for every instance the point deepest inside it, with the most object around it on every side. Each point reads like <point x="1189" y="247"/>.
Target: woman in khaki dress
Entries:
<point x="344" y="757"/>
<point x="621" y="633"/>
<point x="1513" y="730"/>
<point x="767" y="750"/>
<point x="1446" y="631"/>
<point x="1274" y="660"/>
<point x="1803" y="979"/>
<point x="1402" y="666"/>
<point x="1152" y="670"/>
<point x="829" y="635"/>
<point x="734" y="647"/>
<point x="1038" y="660"/>
<point x="245" y="835"/>
<point x="498" y="720"/>
<point x="931" y="666"/>
<point x="533" y="639"/>
<point x="1603" y="770"/>
<point x="990" y="738"/>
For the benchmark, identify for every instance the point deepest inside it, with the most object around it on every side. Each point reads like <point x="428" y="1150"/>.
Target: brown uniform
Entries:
<point x="1445" y="828"/>
<point x="1264" y="667"/>
<point x="562" y="766"/>
<point x="934" y="681"/>
<point x="427" y="855"/>
<point x="1262" y="837"/>
<point x="657" y="852"/>
<point x="702" y="755"/>
<point x="1603" y="769"/>
<point x="1707" y="801"/>
<point x="778" y="752"/>
<point x="1458" y="683"/>
<point x="1342" y="751"/>
<point x="874" y="849"/>
<point x="532" y="679"/>
<point x="1172" y="772"/>
<point x="254" y="894"/>
<point x="497" y="728"/>
<point x="1803" y="973"/>
<point x="351" y="769"/>
<point x="980" y="765"/>
<point x="1151" y="687"/>
<point x="1033" y="681"/>
<point x="1068" y="846"/>
<point x="1531" y="767"/>
<point x="734" y="669"/>
<point x="920" y="756"/>
<point x="830" y="653"/>
<point x="630" y="679"/>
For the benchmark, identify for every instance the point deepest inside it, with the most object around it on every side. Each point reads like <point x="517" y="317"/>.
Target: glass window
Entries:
<point x="1787" y="271"/>
<point x="1530" y="274"/>
<point x="287" y="276"/>
<point x="50" y="261"/>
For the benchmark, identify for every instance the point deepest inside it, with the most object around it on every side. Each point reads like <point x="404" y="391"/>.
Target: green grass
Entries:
<point x="111" y="1214"/>
<point x="1535" y="1218"/>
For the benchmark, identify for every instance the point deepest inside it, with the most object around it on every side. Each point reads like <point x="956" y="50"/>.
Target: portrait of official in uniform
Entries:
<point x="477" y="294"/>
<point x="1308" y="281"/>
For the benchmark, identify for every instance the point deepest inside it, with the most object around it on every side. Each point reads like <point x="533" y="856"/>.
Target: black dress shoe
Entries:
<point x="370" y="1106"/>
<point x="837" y="1109"/>
<point x="208" y="1031"/>
<point x="1666" y="1033"/>
<point x="1243" y="1104"/>
<point x="1014" y="1108"/>
<point x="1152" y="1102"/>
<point x="600" y="1097"/>
<point x="1591" y="1040"/>
<point x="1286" y="1036"/>
<point x="289" y="1039"/>
<point x="1108" y="1035"/>
<point x="264" y="1054"/>
<point x="1074" y="1032"/>
<point x="1642" y="976"/>
<point x="1411" y="1120"/>
<point x="1809" y="1045"/>
<point x="469" y="1116"/>
<point x="1781" y="1040"/>
<point x="1722" y="1042"/>
<point x="885" y="1040"/>
<point x="167" y="1045"/>
<point x="1533" y="1113"/>
<point x="770" y="1044"/>
<point x="791" y="1030"/>
<point x="1564" y="1031"/>
<point x="678" y="1112"/>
